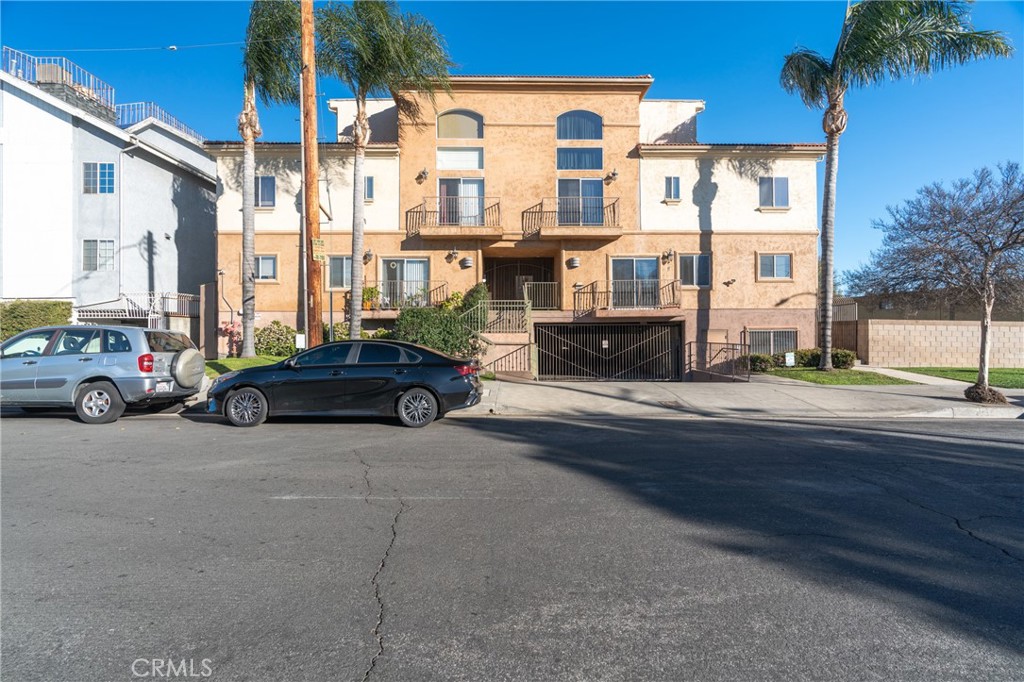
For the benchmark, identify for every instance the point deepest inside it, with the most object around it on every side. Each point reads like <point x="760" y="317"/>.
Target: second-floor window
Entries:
<point x="580" y="158"/>
<point x="579" y="125"/>
<point x="672" y="188"/>
<point x="98" y="178"/>
<point x="460" y="158"/>
<point x="368" y="188"/>
<point x="695" y="269"/>
<point x="97" y="254"/>
<point x="340" y="272"/>
<point x="774" y="192"/>
<point x="266" y="189"/>
<point x="266" y="267"/>
<point x="775" y="266"/>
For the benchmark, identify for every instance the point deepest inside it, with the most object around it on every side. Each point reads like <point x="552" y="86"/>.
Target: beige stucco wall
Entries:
<point x="927" y="343"/>
<point x="284" y="163"/>
<point x="519" y="144"/>
<point x="719" y="191"/>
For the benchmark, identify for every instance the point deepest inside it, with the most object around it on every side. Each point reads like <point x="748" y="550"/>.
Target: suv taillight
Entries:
<point x="465" y="370"/>
<point x="146" y="362"/>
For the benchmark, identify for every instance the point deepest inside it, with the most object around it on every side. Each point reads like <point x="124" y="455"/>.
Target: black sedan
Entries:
<point x="350" y="378"/>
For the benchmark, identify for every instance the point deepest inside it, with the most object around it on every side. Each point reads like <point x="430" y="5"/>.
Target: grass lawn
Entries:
<point x="838" y="377"/>
<point x="1000" y="378"/>
<point x="215" y="368"/>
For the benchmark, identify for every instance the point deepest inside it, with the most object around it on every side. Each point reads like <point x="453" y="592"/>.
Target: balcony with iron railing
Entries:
<point x="136" y="112"/>
<point x="447" y="217"/>
<point x="649" y="297"/>
<point x="543" y="295"/>
<point x="573" y="218"/>
<point x="63" y="79"/>
<point x="395" y="295"/>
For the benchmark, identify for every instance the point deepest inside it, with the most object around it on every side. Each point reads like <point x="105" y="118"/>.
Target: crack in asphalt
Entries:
<point x="954" y="519"/>
<point x="366" y="478"/>
<point x="375" y="581"/>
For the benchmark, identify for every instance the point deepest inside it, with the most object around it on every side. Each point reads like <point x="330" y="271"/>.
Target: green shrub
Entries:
<point x="475" y="296"/>
<point x="275" y="339"/>
<point x="811" y="357"/>
<point x="18" y="316"/>
<point x="759" y="362"/>
<point x="436" y="328"/>
<point x="341" y="332"/>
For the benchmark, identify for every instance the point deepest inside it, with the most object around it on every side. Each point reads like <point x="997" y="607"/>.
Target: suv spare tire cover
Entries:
<point x="188" y="368"/>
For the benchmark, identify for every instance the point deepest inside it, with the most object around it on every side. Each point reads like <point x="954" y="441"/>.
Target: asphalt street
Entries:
<point x="504" y="548"/>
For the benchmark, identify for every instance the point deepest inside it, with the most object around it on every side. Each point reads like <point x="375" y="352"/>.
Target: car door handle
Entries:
<point x="30" y="362"/>
<point x="401" y="371"/>
<point x="85" y="359"/>
<point x="336" y="373"/>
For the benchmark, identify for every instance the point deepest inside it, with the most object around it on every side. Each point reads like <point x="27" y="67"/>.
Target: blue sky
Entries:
<point x="900" y="136"/>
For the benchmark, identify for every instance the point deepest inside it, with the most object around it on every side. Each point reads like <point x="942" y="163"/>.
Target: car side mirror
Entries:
<point x="289" y="363"/>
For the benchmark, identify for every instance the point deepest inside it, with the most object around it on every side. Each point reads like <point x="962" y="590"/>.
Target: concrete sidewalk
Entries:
<point x="765" y="397"/>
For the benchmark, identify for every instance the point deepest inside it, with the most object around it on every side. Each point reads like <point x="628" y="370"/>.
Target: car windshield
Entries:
<point x="166" y="342"/>
<point x="29" y="344"/>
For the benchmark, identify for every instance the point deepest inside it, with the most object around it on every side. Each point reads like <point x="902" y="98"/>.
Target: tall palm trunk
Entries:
<point x="249" y="128"/>
<point x="360" y="138"/>
<point x="833" y="123"/>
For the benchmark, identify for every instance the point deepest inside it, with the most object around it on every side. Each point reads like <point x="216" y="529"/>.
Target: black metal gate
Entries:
<point x="609" y="352"/>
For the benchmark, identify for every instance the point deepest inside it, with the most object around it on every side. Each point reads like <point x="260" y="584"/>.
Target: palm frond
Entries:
<point x="271" y="57"/>
<point x="899" y="38"/>
<point x="808" y="74"/>
<point x="378" y="51"/>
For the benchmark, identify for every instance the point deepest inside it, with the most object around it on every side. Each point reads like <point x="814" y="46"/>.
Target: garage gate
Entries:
<point x="609" y="352"/>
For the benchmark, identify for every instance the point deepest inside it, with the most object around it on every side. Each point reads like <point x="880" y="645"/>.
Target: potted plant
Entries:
<point x="371" y="296"/>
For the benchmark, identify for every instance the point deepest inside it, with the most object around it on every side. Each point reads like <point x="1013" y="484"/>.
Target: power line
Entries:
<point x="168" y="48"/>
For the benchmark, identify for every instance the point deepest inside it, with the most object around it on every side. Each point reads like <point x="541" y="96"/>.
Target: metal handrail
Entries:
<point x="399" y="294"/>
<point x="543" y="295"/>
<point x="724" y="360"/>
<point x="465" y="211"/>
<point x="498" y="317"/>
<point x="57" y="70"/>
<point x="135" y="112"/>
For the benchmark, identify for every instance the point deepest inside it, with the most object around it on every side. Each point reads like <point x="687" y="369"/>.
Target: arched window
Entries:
<point x="460" y="125"/>
<point x="579" y="125"/>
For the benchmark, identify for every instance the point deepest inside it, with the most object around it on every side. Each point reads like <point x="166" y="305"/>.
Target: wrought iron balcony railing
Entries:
<point x="572" y="212"/>
<point x="135" y="112"/>
<point x="626" y="294"/>
<point x="399" y="294"/>
<point x="454" y="212"/>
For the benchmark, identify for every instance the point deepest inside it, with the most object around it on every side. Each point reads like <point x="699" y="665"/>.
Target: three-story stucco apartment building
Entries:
<point x="608" y="236"/>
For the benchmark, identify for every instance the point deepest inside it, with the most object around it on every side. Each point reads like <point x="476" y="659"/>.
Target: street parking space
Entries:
<point x="512" y="548"/>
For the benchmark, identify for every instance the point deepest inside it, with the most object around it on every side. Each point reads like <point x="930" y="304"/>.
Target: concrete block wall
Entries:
<point x="932" y="343"/>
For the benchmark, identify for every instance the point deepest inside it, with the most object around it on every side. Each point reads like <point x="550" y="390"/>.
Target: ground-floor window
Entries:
<point x="770" y="341"/>
<point x="266" y="267"/>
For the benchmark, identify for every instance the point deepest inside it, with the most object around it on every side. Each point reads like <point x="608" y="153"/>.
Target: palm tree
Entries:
<point x="880" y="39"/>
<point x="271" y="65"/>
<point x="375" y="50"/>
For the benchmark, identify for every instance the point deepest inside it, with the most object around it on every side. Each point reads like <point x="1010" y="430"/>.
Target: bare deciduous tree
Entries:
<point x="964" y="242"/>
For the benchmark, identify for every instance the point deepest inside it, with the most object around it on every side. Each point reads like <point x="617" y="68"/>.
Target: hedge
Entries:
<point x="804" y="357"/>
<point x="21" y="315"/>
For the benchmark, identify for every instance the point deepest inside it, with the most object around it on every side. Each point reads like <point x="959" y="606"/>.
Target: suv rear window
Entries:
<point x="167" y="342"/>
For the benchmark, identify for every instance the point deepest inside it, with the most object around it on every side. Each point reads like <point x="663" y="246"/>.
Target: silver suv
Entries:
<point x="98" y="369"/>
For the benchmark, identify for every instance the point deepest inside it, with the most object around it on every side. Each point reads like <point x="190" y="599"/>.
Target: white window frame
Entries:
<point x="368" y="189"/>
<point x="98" y="177"/>
<point x="775" y="185"/>
<point x="775" y="268"/>
<point x="258" y="268"/>
<point x="696" y="258"/>
<point x="444" y="154"/>
<point x="672" y="189"/>
<point x="346" y="276"/>
<point x="103" y="255"/>
<point x="261" y="201"/>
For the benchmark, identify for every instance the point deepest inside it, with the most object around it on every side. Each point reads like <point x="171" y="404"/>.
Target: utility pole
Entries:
<point x="311" y="179"/>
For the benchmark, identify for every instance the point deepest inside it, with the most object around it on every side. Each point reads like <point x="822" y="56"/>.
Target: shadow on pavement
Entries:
<point x="931" y="524"/>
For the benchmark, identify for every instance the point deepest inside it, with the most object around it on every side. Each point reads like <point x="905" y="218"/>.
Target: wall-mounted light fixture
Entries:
<point x="729" y="282"/>
<point x="422" y="176"/>
<point x="612" y="177"/>
<point x="452" y="255"/>
<point x="367" y="256"/>
<point x="573" y="263"/>
<point x="466" y="262"/>
<point x="666" y="256"/>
